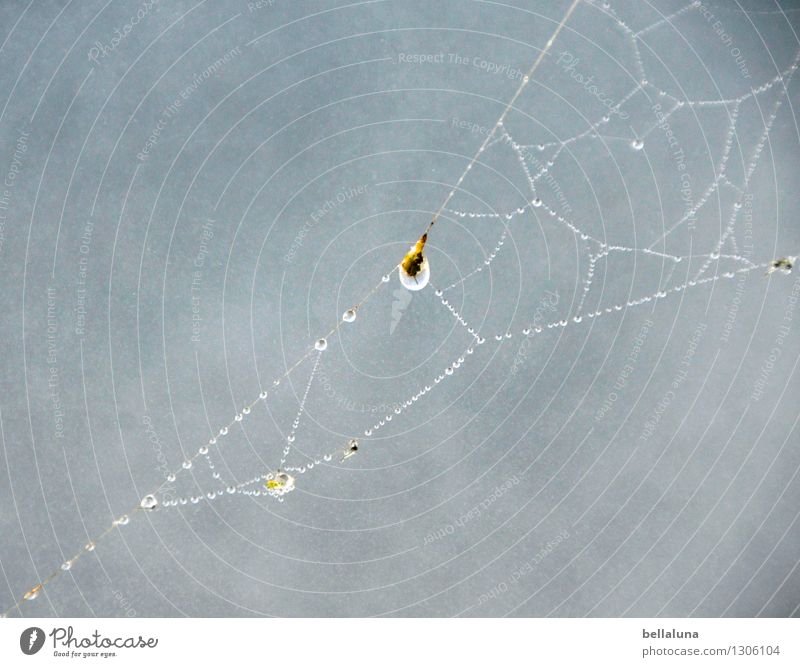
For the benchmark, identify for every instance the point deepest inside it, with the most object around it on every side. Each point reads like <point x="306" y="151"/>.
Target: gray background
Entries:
<point x="596" y="513"/>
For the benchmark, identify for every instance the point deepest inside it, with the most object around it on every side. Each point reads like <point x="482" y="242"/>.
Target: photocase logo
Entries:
<point x="31" y="640"/>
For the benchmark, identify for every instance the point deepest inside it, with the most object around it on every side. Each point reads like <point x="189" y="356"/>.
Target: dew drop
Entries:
<point x="149" y="502"/>
<point x="349" y="315"/>
<point x="637" y="144"/>
<point x="90" y="546"/>
<point x="536" y="203"/>
<point x="321" y="345"/>
<point x="203" y="450"/>
<point x="223" y="430"/>
<point x="262" y="395"/>
<point x="418" y="281"/>
<point x="187" y="464"/>
<point x="171" y="477"/>
<point x="122" y="521"/>
<point x="33" y="593"/>
<point x="66" y="565"/>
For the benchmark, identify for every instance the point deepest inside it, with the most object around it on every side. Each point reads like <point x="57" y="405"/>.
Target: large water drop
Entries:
<point x="417" y="282"/>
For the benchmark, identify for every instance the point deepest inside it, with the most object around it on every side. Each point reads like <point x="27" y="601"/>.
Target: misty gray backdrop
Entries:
<point x="194" y="191"/>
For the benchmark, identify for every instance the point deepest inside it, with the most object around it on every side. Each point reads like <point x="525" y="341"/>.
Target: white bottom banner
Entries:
<point x="399" y="642"/>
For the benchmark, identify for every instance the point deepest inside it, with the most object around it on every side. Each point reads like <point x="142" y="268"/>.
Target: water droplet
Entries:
<point x="449" y="370"/>
<point x="321" y="345"/>
<point x="90" y="546"/>
<point x="262" y="395"/>
<point x="187" y="464"/>
<point x="386" y="278"/>
<point x="149" y="502"/>
<point x="171" y="477"/>
<point x="122" y="521"/>
<point x="223" y="430"/>
<point x="349" y="315"/>
<point x="246" y="410"/>
<point x="231" y="489"/>
<point x="66" y="565"/>
<point x="238" y="417"/>
<point x="418" y="281"/>
<point x="203" y="450"/>
<point x="637" y="144"/>
<point x="33" y="593"/>
<point x="536" y="203"/>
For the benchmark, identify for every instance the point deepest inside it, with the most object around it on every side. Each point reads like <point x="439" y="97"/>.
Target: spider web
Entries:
<point x="574" y="267"/>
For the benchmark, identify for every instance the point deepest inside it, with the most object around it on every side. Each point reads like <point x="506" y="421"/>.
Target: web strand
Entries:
<point x="501" y="119"/>
<point x="595" y="249"/>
